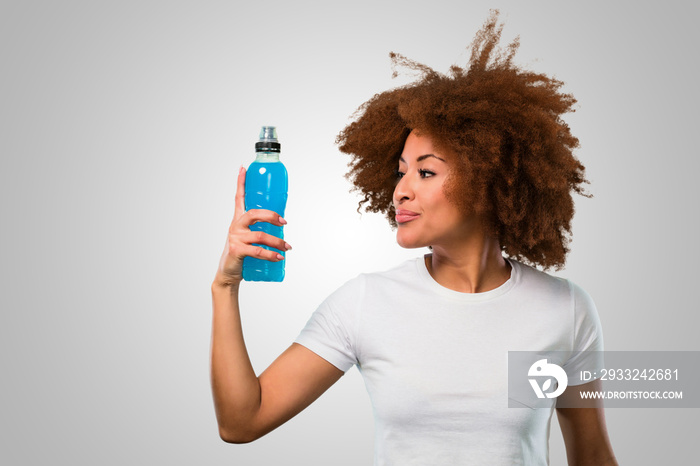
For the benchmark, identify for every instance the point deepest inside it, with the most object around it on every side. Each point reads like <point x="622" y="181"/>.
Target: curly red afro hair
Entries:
<point x="514" y="162"/>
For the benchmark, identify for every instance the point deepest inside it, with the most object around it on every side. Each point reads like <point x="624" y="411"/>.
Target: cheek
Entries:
<point x="440" y="203"/>
<point x="447" y="211"/>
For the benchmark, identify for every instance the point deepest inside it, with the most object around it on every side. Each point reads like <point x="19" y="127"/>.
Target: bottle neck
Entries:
<point x="267" y="157"/>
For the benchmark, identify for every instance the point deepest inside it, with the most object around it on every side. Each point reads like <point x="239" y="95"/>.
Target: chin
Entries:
<point x="407" y="242"/>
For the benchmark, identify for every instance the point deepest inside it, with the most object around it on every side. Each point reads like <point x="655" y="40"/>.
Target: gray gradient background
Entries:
<point x="123" y="124"/>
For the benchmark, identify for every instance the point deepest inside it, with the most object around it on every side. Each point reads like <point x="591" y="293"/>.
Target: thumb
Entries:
<point x="240" y="194"/>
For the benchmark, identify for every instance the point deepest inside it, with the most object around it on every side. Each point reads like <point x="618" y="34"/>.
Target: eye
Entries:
<point x="399" y="174"/>
<point x="425" y="173"/>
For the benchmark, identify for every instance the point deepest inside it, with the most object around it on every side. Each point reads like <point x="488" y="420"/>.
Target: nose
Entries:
<point x="403" y="190"/>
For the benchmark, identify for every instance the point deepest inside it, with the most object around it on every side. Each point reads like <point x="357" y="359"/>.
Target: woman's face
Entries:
<point x="424" y="215"/>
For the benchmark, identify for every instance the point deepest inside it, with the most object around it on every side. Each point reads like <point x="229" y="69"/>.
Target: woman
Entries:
<point x="474" y="165"/>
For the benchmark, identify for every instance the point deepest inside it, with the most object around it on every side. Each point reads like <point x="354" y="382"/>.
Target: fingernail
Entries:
<point x="283" y="221"/>
<point x="240" y="170"/>
<point x="280" y="256"/>
<point x="287" y="246"/>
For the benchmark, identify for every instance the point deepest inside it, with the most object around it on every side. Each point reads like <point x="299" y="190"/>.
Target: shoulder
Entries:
<point x="538" y="283"/>
<point x="565" y="303"/>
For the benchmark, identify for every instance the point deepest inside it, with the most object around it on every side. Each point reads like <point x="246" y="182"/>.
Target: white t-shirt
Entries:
<point x="434" y="360"/>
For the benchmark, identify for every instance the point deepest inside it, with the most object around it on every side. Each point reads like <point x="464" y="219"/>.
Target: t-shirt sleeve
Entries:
<point x="331" y="330"/>
<point x="587" y="351"/>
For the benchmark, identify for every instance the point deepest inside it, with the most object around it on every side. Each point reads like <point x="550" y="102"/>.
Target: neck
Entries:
<point x="475" y="266"/>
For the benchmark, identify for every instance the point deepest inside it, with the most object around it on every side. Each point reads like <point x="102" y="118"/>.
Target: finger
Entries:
<point x="260" y="237"/>
<point x="258" y="252"/>
<point x="240" y="194"/>
<point x="263" y="215"/>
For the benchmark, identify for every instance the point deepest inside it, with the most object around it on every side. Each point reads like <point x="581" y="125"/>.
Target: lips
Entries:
<point x="403" y="216"/>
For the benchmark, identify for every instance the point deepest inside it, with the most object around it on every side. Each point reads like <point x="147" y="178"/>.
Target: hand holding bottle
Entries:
<point x="240" y="240"/>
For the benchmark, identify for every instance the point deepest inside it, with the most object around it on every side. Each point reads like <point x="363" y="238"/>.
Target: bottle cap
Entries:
<point x="268" y="140"/>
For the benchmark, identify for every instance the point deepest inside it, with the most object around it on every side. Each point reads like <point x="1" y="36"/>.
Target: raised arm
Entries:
<point x="247" y="406"/>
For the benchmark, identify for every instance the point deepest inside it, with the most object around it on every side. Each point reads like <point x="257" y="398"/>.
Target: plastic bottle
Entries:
<point x="266" y="188"/>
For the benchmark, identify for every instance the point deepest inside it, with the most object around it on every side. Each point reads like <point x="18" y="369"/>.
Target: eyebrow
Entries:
<point x="422" y="157"/>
